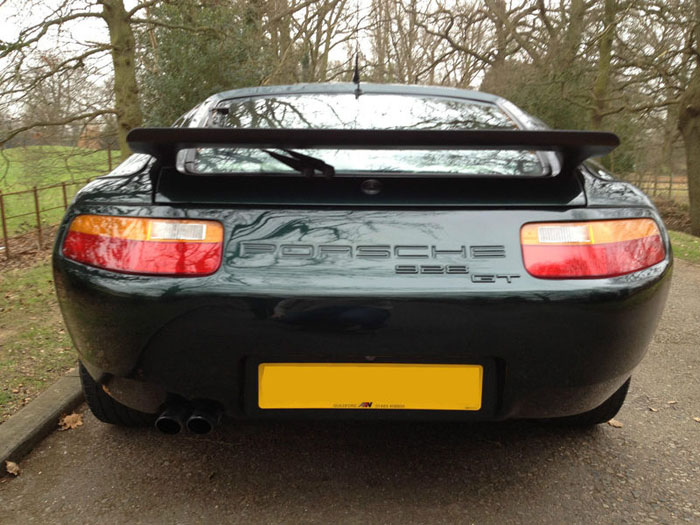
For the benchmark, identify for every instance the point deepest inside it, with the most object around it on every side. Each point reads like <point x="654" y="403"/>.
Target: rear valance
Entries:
<point x="573" y="146"/>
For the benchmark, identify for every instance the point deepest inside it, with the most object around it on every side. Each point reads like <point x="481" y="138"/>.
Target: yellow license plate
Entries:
<point x="370" y="386"/>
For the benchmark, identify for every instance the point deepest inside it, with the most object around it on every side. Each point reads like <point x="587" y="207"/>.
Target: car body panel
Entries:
<point x="317" y="271"/>
<point x="206" y="328"/>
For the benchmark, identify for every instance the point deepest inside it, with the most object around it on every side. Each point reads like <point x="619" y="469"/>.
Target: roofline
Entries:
<point x="349" y="88"/>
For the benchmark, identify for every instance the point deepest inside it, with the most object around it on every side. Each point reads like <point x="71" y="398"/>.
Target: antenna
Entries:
<point x="356" y="75"/>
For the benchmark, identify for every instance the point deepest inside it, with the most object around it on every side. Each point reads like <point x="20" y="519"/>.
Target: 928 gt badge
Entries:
<point x="366" y="404"/>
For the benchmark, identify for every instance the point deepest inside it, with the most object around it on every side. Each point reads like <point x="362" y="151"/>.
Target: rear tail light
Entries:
<point x="145" y="246"/>
<point x="595" y="249"/>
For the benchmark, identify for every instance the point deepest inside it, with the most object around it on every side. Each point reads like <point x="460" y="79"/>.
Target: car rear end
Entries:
<point x="526" y="288"/>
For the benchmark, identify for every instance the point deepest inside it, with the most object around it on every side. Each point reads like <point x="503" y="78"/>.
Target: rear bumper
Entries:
<point x="545" y="354"/>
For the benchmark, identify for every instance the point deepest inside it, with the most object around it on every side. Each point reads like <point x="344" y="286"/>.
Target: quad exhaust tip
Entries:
<point x="172" y="420"/>
<point x="203" y="421"/>
<point x="200" y="420"/>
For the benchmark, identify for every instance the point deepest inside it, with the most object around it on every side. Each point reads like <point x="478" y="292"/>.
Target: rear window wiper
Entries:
<point x="304" y="164"/>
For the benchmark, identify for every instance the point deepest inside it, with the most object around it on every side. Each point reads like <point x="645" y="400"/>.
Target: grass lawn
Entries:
<point x="685" y="246"/>
<point x="35" y="348"/>
<point x="23" y="168"/>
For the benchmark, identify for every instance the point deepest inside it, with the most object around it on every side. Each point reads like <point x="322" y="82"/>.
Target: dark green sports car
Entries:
<point x="368" y="252"/>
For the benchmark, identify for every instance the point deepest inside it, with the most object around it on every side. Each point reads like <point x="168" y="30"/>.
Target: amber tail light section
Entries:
<point x="588" y="250"/>
<point x="137" y="245"/>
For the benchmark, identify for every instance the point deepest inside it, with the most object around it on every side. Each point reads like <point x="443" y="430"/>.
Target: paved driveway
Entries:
<point x="646" y="471"/>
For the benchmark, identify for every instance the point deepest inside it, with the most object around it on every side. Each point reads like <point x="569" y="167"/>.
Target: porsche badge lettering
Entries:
<point x="387" y="251"/>
<point x="372" y="251"/>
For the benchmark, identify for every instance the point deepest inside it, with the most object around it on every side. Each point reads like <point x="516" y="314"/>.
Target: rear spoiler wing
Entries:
<point x="573" y="146"/>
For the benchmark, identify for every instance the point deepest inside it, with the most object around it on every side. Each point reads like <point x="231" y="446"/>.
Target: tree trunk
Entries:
<point x="126" y="92"/>
<point x="689" y="124"/>
<point x="670" y="134"/>
<point x="379" y="40"/>
<point x="602" y="80"/>
<point x="495" y="75"/>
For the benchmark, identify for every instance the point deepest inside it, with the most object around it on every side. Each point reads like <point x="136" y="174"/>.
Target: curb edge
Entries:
<point x="28" y="427"/>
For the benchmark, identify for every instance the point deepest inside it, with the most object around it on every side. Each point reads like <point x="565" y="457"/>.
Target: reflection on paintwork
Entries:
<point x="115" y="190"/>
<point x="132" y="165"/>
<point x="331" y="314"/>
<point x="613" y="192"/>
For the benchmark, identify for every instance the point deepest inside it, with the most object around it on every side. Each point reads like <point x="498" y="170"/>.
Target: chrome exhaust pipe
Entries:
<point x="203" y="420"/>
<point x="172" y="420"/>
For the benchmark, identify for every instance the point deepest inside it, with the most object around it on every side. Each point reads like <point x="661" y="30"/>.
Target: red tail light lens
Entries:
<point x="588" y="250"/>
<point x="145" y="246"/>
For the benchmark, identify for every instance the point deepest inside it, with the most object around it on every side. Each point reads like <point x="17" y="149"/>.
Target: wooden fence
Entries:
<point x="668" y="186"/>
<point x="32" y="210"/>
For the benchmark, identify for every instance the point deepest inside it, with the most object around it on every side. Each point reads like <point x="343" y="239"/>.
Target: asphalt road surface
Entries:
<point x="520" y="472"/>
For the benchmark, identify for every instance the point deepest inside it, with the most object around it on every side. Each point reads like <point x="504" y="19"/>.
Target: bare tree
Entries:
<point x="302" y="35"/>
<point x="120" y="24"/>
<point x="424" y="42"/>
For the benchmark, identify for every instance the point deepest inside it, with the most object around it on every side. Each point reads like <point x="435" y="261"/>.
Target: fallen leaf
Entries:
<point x="12" y="468"/>
<point x="615" y="423"/>
<point x="653" y="409"/>
<point x="672" y="402"/>
<point x="70" y="421"/>
<point x="696" y="419"/>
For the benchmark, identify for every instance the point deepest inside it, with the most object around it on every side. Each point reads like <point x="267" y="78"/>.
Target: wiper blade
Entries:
<point x="305" y="164"/>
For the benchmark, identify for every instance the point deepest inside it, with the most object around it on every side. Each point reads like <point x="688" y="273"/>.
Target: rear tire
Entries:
<point x="109" y="410"/>
<point x="601" y="414"/>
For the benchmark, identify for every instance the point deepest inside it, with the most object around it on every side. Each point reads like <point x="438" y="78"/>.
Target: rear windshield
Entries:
<point x="368" y="111"/>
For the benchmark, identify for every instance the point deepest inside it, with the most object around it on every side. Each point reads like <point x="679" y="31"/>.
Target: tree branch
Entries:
<point x="84" y="116"/>
<point x="9" y="47"/>
<point x="166" y="25"/>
